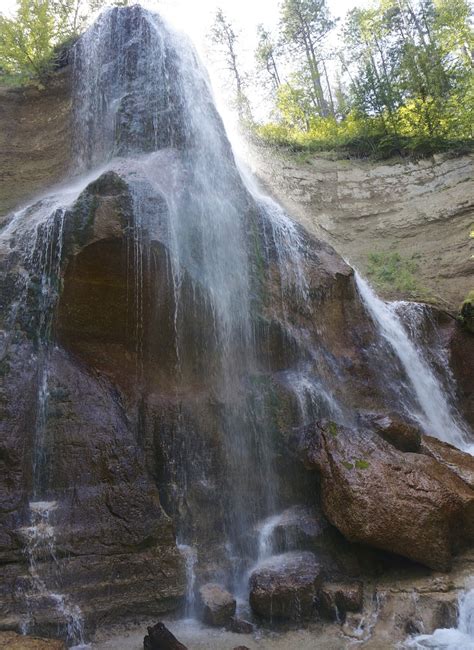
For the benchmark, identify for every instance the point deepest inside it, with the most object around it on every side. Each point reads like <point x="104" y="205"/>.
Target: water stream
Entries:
<point x="433" y="408"/>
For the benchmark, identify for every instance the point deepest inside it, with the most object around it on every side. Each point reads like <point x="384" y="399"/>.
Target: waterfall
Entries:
<point x="40" y="544"/>
<point x="433" y="411"/>
<point x="460" y="638"/>
<point x="144" y="111"/>
<point x="142" y="96"/>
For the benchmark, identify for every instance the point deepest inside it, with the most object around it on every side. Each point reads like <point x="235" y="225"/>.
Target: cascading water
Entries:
<point x="431" y="407"/>
<point x="143" y="112"/>
<point x="460" y="638"/>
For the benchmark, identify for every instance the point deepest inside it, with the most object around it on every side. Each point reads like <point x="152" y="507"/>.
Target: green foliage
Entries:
<point x="356" y="138"/>
<point x="404" y="84"/>
<point x="347" y="465"/>
<point x="304" y="24"/>
<point x="332" y="426"/>
<point x="266" y="56"/>
<point x="226" y="40"/>
<point x="27" y="42"/>
<point x="31" y="43"/>
<point x="392" y="272"/>
<point x="361" y="464"/>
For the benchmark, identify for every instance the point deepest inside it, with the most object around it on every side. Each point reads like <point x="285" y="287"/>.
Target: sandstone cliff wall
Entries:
<point x="423" y="210"/>
<point x="35" y="139"/>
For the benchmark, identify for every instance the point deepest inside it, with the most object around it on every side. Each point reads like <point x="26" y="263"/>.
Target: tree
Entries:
<point x="266" y="56"/>
<point x="304" y="24"/>
<point x="372" y="53"/>
<point x="29" y="42"/>
<point x="226" y="39"/>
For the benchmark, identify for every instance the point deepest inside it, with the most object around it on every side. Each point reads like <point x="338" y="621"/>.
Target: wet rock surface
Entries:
<point x="285" y="586"/>
<point x="160" y="638"/>
<point x="403" y="436"/>
<point x="407" y="504"/>
<point x="216" y="605"/>
<point x="134" y="429"/>
<point x="14" y="641"/>
<point x="240" y="626"/>
<point x="336" y="599"/>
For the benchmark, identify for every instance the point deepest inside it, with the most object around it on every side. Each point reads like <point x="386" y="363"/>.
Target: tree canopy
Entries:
<point x="402" y="76"/>
<point x="30" y="43"/>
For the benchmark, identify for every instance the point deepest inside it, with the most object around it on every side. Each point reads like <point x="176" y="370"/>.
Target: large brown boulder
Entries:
<point x="374" y="494"/>
<point x="451" y="457"/>
<point x="285" y="586"/>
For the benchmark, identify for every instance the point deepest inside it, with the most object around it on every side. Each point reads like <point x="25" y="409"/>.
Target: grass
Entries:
<point x="376" y="146"/>
<point x="393" y="273"/>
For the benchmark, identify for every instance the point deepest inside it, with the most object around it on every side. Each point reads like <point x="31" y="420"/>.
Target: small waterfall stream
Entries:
<point x="435" y="414"/>
<point x="459" y="638"/>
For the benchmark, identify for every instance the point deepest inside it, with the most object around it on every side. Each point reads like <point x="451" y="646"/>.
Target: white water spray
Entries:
<point x="190" y="557"/>
<point x="436" y="416"/>
<point x="40" y="547"/>
<point x="459" y="638"/>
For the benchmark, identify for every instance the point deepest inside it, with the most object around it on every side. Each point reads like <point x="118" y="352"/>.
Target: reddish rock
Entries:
<point x="285" y="586"/>
<point x="377" y="495"/>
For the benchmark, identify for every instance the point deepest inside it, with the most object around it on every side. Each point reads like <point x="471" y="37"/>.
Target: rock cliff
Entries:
<point x="422" y="210"/>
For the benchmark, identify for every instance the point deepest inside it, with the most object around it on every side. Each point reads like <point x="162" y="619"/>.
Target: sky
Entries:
<point x="195" y="17"/>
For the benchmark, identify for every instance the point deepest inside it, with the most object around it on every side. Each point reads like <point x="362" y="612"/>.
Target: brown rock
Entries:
<point x="336" y="599"/>
<point x="285" y="586"/>
<point x="14" y="641"/>
<point x="376" y="495"/>
<point x="160" y="638"/>
<point x="35" y="138"/>
<point x="398" y="433"/>
<point x="240" y="626"/>
<point x="299" y="528"/>
<point x="217" y="605"/>
<point x="454" y="459"/>
<point x="461" y="361"/>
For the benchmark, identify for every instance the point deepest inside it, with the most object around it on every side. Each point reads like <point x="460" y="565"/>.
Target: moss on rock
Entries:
<point x="467" y="312"/>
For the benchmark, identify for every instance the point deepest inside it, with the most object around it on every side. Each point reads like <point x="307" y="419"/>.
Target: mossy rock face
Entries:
<point x="467" y="312"/>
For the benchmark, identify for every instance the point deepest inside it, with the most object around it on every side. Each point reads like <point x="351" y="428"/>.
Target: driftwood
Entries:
<point x="160" y="638"/>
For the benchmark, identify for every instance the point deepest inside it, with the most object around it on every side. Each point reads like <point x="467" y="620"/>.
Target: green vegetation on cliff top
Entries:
<point x="36" y="40"/>
<point x="398" y="81"/>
